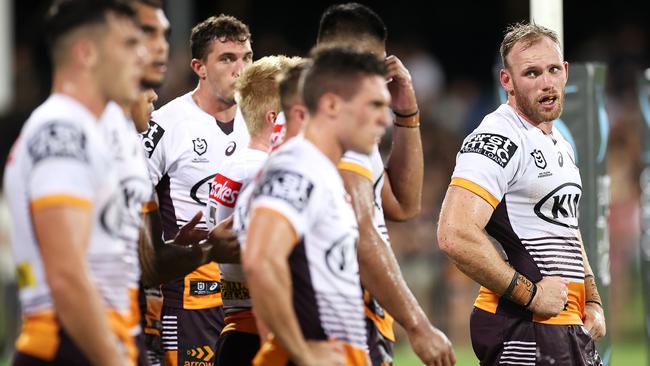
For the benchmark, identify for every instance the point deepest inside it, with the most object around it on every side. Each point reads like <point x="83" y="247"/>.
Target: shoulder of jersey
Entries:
<point x="503" y="120"/>
<point x="174" y="113"/>
<point x="58" y="127"/>
<point x="60" y="109"/>
<point x="288" y="152"/>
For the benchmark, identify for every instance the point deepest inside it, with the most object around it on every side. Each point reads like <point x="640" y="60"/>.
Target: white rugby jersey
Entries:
<point x="302" y="184"/>
<point x="136" y="189"/>
<point x="62" y="156"/>
<point x="232" y="178"/>
<point x="185" y="146"/>
<point x="531" y="180"/>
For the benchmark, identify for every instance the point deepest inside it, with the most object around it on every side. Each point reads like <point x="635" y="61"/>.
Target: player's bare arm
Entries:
<point x="63" y="234"/>
<point x="594" y="315"/>
<point x="402" y="191"/>
<point x="462" y="236"/>
<point x="381" y="276"/>
<point x="270" y="240"/>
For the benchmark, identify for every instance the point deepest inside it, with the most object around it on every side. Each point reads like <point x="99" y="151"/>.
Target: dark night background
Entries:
<point x="451" y="49"/>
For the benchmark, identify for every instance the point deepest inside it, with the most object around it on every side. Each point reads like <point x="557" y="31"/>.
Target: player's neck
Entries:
<point x="322" y="136"/>
<point x="84" y="90"/>
<point x="546" y="127"/>
<point x="217" y="108"/>
<point x="260" y="142"/>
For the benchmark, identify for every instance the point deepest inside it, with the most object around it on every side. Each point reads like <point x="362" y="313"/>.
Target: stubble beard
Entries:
<point x="530" y="108"/>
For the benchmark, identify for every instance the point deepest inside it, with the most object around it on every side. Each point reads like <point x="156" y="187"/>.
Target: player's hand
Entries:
<point x="324" y="353"/>
<point x="432" y="346"/>
<point x="188" y="234"/>
<point x="225" y="246"/>
<point x="595" y="321"/>
<point x="401" y="90"/>
<point x="551" y="297"/>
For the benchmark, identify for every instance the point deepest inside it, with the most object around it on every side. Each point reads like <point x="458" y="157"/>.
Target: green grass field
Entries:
<point x="623" y="354"/>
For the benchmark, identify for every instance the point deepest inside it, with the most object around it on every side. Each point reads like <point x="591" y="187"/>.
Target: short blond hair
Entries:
<point x="257" y="89"/>
<point x="528" y="33"/>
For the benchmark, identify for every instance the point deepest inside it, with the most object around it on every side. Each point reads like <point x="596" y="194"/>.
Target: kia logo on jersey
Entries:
<point x="561" y="206"/>
<point x="341" y="259"/>
<point x="113" y="214"/>
<point x="225" y="190"/>
<point x="200" y="146"/>
<point x="205" y="192"/>
<point x="497" y="148"/>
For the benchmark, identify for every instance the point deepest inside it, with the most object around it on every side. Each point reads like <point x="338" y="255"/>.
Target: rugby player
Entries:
<point x="301" y="235"/>
<point x="510" y="219"/>
<point x="394" y="192"/>
<point x="259" y="101"/>
<point x="63" y="193"/>
<point x="187" y="140"/>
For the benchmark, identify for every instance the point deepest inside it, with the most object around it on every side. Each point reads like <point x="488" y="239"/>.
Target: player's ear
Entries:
<point x="330" y="104"/>
<point x="269" y="118"/>
<point x="198" y="67"/>
<point x="506" y="81"/>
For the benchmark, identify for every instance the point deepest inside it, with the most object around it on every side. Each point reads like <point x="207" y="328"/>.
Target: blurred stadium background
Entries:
<point x="451" y="49"/>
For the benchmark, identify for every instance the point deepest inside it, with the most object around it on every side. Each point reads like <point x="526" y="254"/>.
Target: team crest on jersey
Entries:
<point x="288" y="186"/>
<point x="151" y="138"/>
<point x="224" y="190"/>
<point x="497" y="148"/>
<point x="58" y="140"/>
<point x="200" y="146"/>
<point x="540" y="161"/>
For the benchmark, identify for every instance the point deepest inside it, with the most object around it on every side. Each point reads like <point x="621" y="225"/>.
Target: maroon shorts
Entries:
<point x="501" y="340"/>
<point x="189" y="336"/>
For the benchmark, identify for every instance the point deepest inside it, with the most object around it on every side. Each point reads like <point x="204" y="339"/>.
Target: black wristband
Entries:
<point x="511" y="287"/>
<point x="405" y="126"/>
<point x="407" y="115"/>
<point x="532" y="296"/>
<point x="594" y="302"/>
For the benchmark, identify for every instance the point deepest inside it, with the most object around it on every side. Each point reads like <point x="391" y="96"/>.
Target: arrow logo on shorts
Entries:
<point x="204" y="353"/>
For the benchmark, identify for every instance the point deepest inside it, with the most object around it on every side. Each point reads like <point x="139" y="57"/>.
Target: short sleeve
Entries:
<point x="289" y="193"/>
<point x="358" y="163"/>
<point x="487" y="162"/>
<point x="154" y="151"/>
<point x="61" y="169"/>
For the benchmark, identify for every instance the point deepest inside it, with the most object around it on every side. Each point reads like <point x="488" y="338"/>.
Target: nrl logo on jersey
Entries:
<point x="200" y="146"/>
<point x="497" y="148"/>
<point x="540" y="161"/>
